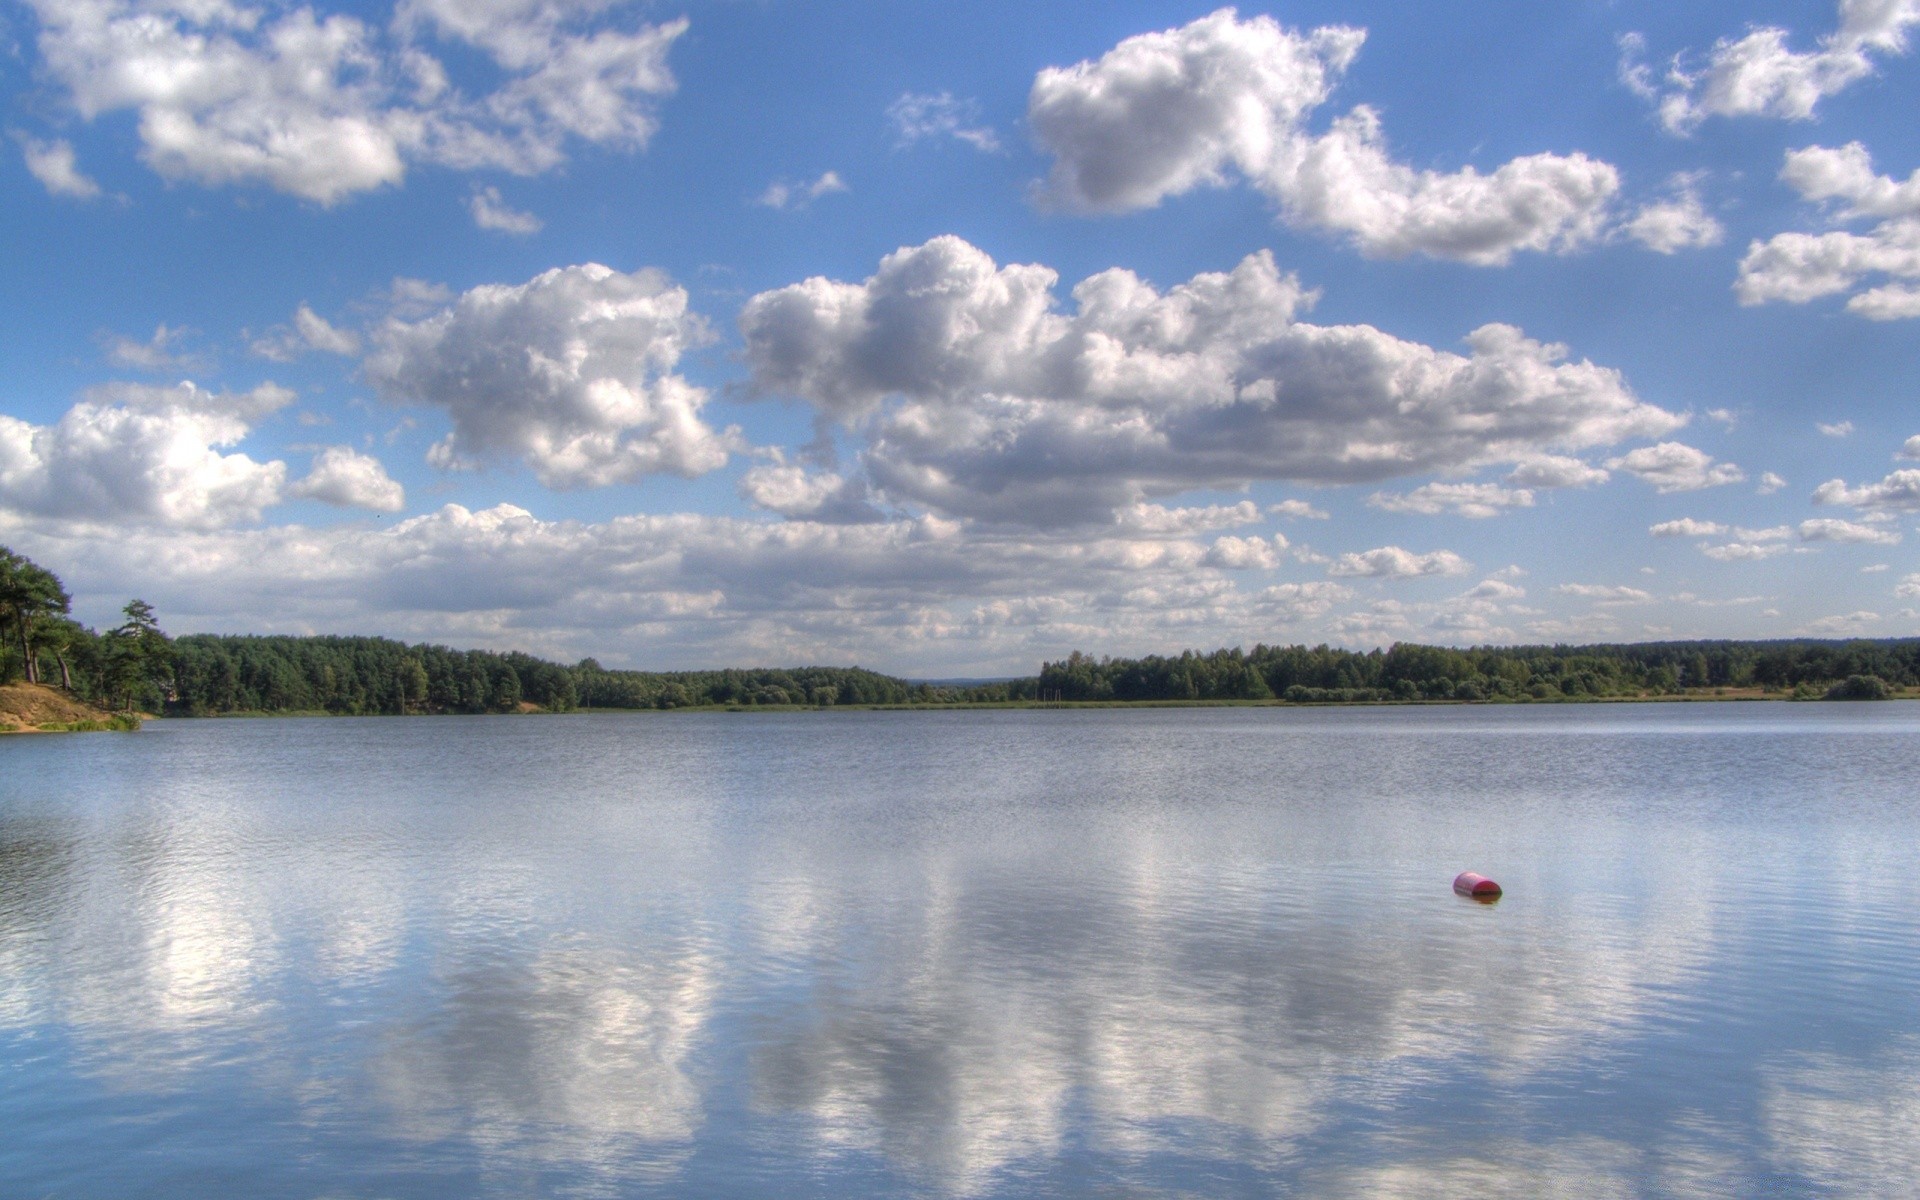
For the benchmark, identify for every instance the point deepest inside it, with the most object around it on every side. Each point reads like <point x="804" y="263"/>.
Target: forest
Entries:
<point x="135" y="666"/>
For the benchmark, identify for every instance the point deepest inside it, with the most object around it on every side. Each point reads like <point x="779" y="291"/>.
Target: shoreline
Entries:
<point x="1729" y="696"/>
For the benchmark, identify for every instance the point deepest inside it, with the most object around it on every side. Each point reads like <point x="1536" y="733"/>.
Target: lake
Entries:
<point x="1120" y="953"/>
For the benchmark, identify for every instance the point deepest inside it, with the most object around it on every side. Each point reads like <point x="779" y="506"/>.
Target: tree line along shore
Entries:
<point x="136" y="667"/>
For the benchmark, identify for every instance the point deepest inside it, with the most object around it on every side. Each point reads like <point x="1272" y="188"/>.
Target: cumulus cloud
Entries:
<point x="1555" y="471"/>
<point x="795" y="492"/>
<point x="782" y="193"/>
<point x="570" y="372"/>
<point x="1679" y="222"/>
<point x="138" y="455"/>
<point x="1795" y="268"/>
<point x="54" y="164"/>
<point x="917" y="116"/>
<point x="1246" y="553"/>
<point x="325" y="106"/>
<point x="1836" y="429"/>
<point x="344" y="477"/>
<point x="1909" y="449"/>
<point x="308" y="331"/>
<point x="1461" y="499"/>
<point x="1495" y="589"/>
<point x="1601" y="593"/>
<point x="1744" y="551"/>
<point x="1149" y="519"/>
<point x="1826" y="529"/>
<point x="1770" y="483"/>
<point x="1675" y="467"/>
<point x="1687" y="527"/>
<point x="1759" y="76"/>
<point x="1391" y="562"/>
<point x="490" y="211"/>
<point x="1908" y="588"/>
<point x="1163" y="113"/>
<point x="978" y="399"/>
<point x="1898" y="492"/>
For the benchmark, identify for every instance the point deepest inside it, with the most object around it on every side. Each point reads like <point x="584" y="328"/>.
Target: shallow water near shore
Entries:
<point x="1060" y="953"/>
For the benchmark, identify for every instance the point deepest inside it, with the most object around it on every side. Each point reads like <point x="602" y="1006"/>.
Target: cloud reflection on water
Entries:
<point x="626" y="991"/>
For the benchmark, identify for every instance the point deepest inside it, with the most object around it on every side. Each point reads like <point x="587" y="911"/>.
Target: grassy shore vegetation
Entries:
<point x="135" y="666"/>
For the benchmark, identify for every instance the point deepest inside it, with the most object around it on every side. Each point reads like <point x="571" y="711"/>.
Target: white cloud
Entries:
<point x="1246" y="553"/>
<point x="323" y="107"/>
<point x="1677" y="223"/>
<point x="1296" y="509"/>
<point x="570" y="372"/>
<point x="1826" y="529"/>
<point x="309" y="331"/>
<point x="1908" y="588"/>
<point x="1909" y="449"/>
<point x="917" y="116"/>
<point x="1674" y="467"/>
<point x="1687" y="527"/>
<point x="136" y="455"/>
<point x="1163" y="113"/>
<point x="1898" y="492"/>
<point x="1150" y="519"/>
<point x="1758" y="76"/>
<point x="978" y="399"/>
<point x="1837" y="429"/>
<point x="55" y="166"/>
<point x="1744" y="551"/>
<point x="1875" y="568"/>
<point x="1601" y="593"/>
<point x="1795" y="268"/>
<point x="1724" y="416"/>
<point x="1555" y="471"/>
<point x="344" y="477"/>
<point x="785" y="194"/>
<point x="1461" y="499"/>
<point x="1770" y="483"/>
<point x="1391" y="562"/>
<point x="1843" y="624"/>
<point x="795" y="492"/>
<point x="924" y="595"/>
<point x="157" y="353"/>
<point x="489" y="211"/>
<point x="1495" y="589"/>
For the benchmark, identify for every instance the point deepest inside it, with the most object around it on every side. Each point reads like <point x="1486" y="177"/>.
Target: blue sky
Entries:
<point x="945" y="339"/>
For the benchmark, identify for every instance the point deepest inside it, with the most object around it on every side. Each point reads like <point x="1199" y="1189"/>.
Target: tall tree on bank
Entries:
<point x="29" y="595"/>
<point x="139" y="657"/>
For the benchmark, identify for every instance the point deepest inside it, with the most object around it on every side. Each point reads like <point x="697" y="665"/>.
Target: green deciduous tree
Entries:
<point x="30" y="596"/>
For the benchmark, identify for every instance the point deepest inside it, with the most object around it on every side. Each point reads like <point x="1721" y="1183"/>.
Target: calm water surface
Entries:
<point x="1154" y="953"/>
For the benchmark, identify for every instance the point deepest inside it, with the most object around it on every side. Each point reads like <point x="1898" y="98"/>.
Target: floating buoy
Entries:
<point x="1477" y="886"/>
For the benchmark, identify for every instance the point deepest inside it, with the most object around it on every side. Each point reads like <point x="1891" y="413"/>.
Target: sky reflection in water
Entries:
<point x="1144" y="953"/>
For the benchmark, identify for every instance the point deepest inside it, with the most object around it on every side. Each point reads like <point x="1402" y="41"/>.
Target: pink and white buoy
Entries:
<point x="1477" y="886"/>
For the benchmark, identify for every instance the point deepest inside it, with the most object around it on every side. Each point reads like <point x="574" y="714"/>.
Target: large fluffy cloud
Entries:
<point x="979" y="399"/>
<point x="1798" y="267"/>
<point x="344" y="477"/>
<point x="1676" y="467"/>
<point x="1391" y="562"/>
<point x="1163" y="113"/>
<point x="1757" y="75"/>
<point x="571" y="372"/>
<point x="143" y="456"/>
<point x="1898" y="492"/>
<point x="325" y="105"/>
